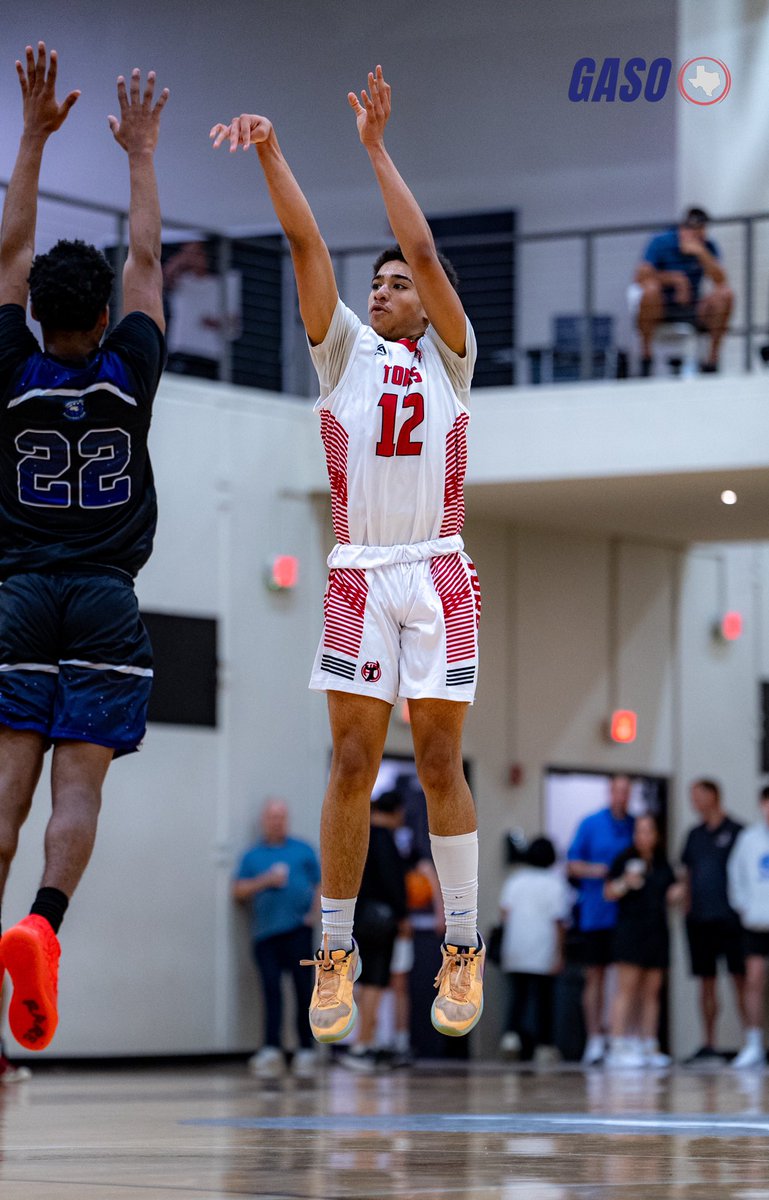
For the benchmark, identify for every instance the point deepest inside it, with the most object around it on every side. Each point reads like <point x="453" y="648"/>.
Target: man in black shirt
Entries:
<point x="712" y="926"/>
<point x="77" y="518"/>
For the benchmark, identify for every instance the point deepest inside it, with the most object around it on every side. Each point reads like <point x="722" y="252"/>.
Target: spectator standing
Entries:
<point x="534" y="906"/>
<point x="279" y="878"/>
<point x="642" y="882"/>
<point x="379" y="916"/>
<point x="748" y="873"/>
<point x="670" y="276"/>
<point x="712" y="926"/>
<point x="204" y="312"/>
<point x="597" y="842"/>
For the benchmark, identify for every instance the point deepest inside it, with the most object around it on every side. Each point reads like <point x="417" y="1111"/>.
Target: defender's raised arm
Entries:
<point x="137" y="132"/>
<point x="312" y="262"/>
<point x="43" y="115"/>
<point x="412" y="233"/>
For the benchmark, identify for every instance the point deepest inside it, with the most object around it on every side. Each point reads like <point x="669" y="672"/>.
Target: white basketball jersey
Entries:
<point x="394" y="425"/>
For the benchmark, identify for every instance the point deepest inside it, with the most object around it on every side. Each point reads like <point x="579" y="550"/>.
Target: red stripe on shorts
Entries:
<point x="459" y="593"/>
<point x="344" y="609"/>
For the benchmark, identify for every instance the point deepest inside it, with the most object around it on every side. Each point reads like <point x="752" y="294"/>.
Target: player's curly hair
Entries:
<point x="70" y="286"/>
<point x="395" y="251"/>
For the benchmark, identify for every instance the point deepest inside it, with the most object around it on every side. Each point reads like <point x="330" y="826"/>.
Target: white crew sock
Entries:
<point x="754" y="1038"/>
<point x="456" y="862"/>
<point x="337" y="918"/>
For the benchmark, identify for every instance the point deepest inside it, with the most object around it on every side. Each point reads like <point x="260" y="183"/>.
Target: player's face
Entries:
<point x="394" y="307"/>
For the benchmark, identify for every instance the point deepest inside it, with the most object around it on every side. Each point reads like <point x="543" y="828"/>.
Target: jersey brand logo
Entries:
<point x="380" y="349"/>
<point x="371" y="672"/>
<point x="74" y="410"/>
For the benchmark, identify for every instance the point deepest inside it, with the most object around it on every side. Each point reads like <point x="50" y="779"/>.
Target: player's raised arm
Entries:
<point x="43" y="115"/>
<point x="412" y="233"/>
<point x="313" y="268"/>
<point x="137" y="132"/>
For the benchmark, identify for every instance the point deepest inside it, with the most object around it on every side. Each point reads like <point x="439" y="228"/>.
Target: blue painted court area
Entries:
<point x="660" y="1125"/>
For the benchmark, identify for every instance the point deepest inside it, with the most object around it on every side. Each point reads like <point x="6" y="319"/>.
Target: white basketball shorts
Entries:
<point x="407" y="629"/>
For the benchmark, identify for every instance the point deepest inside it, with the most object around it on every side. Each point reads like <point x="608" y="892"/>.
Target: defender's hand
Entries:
<point x="373" y="114"/>
<point x="139" y="124"/>
<point x="249" y="129"/>
<point x="43" y="114"/>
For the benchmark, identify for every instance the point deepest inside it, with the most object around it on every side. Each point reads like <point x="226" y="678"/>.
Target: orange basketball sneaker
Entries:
<point x="458" y="1006"/>
<point x="333" y="1011"/>
<point x="30" y="953"/>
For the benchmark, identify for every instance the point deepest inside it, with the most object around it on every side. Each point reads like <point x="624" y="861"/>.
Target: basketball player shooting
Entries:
<point x="402" y="601"/>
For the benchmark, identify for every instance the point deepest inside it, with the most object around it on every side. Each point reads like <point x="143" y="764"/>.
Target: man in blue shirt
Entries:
<point x="279" y="878"/>
<point x="597" y="842"/>
<point x="670" y="277"/>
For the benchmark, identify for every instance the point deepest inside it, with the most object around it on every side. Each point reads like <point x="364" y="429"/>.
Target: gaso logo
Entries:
<point x="702" y="81"/>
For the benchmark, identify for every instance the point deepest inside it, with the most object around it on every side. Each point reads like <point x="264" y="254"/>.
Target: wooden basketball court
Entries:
<point x="477" y="1133"/>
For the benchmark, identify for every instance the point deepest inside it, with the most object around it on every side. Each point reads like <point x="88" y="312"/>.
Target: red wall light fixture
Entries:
<point x="283" y="573"/>
<point x="729" y="627"/>
<point x="623" y="726"/>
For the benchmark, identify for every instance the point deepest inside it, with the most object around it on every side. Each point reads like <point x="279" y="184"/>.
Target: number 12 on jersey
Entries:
<point x="387" y="446"/>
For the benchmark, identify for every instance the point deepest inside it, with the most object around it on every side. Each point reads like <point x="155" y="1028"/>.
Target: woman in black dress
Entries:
<point x="642" y="883"/>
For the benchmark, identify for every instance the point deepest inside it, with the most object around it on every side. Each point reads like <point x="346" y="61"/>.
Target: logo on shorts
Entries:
<point x="74" y="410"/>
<point x="371" y="672"/>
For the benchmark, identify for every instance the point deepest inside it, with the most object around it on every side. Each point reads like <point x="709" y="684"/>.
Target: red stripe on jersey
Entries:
<point x="456" y="466"/>
<point x="457" y="586"/>
<point x="335" y="439"/>
<point x="344" y="607"/>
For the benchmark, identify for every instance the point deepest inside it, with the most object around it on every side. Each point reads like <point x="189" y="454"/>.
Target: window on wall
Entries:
<point x="184" y="689"/>
<point x="765" y="727"/>
<point x="481" y="247"/>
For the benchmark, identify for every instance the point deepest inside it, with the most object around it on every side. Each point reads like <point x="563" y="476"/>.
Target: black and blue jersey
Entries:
<point x="76" y="485"/>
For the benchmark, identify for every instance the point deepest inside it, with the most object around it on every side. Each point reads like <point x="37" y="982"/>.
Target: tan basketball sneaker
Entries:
<point x="333" y="1011"/>
<point x="458" y="1006"/>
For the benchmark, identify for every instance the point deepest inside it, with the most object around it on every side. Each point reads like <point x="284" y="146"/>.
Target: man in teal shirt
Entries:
<point x="598" y="840"/>
<point x="279" y="878"/>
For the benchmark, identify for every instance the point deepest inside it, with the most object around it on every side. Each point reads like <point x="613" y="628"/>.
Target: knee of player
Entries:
<point x="354" y="765"/>
<point x="439" y="768"/>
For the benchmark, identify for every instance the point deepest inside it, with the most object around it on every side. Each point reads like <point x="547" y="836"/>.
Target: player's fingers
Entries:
<point x="161" y="102"/>
<point x="22" y="78"/>
<point x="68" y="102"/>
<point x="53" y="69"/>
<point x="114" y="124"/>
<point x="149" y="89"/>
<point x="366" y="102"/>
<point x="218" y="133"/>
<point x="30" y="56"/>
<point x="122" y="94"/>
<point x="245" y="132"/>
<point x="40" y="64"/>
<point x="354" y="103"/>
<point x="135" y="85"/>
<point x="234" y="133"/>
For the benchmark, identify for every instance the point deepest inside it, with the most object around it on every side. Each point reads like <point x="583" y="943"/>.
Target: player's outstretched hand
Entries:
<point x="372" y="111"/>
<point x="139" y="124"/>
<point x="43" y="114"/>
<point x="246" y="130"/>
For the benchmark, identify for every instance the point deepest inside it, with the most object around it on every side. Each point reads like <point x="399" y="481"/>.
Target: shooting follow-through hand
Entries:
<point x="249" y="129"/>
<point x="373" y="113"/>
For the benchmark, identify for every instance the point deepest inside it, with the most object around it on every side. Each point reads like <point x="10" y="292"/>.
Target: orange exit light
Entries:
<point x="624" y="726"/>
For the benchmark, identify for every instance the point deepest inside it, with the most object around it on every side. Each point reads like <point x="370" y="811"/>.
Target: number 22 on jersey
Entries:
<point x="403" y="446"/>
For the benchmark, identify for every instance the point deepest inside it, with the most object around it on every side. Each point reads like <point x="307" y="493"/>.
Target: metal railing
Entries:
<point x="583" y="272"/>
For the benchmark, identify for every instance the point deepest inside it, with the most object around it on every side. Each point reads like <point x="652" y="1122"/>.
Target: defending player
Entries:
<point x="402" y="602"/>
<point x="77" y="513"/>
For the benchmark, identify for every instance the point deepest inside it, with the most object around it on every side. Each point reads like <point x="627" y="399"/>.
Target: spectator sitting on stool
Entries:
<point x="670" y="278"/>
